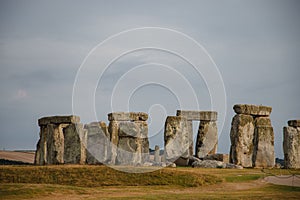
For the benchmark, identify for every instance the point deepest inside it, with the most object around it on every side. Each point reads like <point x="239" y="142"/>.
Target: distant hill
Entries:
<point x="17" y="157"/>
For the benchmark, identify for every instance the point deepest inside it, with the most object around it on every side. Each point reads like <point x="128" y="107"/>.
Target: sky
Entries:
<point x="51" y="62"/>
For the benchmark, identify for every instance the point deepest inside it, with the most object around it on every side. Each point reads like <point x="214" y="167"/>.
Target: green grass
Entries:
<point x="96" y="176"/>
<point x="101" y="182"/>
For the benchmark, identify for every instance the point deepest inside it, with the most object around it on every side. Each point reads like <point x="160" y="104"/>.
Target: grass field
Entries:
<point x="101" y="182"/>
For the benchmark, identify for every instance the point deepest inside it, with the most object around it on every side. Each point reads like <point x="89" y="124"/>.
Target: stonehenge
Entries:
<point x="291" y="144"/>
<point x="62" y="140"/>
<point x="178" y="135"/>
<point x="252" y="136"/>
<point x="129" y="138"/>
<point x="124" y="141"/>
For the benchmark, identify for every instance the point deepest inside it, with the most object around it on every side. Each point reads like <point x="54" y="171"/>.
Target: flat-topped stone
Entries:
<point x="71" y="119"/>
<point x="198" y="115"/>
<point x="294" y="123"/>
<point x="256" y="110"/>
<point x="127" y="116"/>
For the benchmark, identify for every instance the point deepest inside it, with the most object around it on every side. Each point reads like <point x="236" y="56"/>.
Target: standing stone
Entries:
<point x="132" y="143"/>
<point x="156" y="154"/>
<point x="60" y="142"/>
<point x="129" y="138"/>
<point x="113" y="129"/>
<point x="55" y="144"/>
<point x="241" y="136"/>
<point x="263" y="154"/>
<point x="207" y="139"/>
<point x="252" y="136"/>
<point x="97" y="143"/>
<point x="176" y="139"/>
<point x="291" y="144"/>
<point x="75" y="144"/>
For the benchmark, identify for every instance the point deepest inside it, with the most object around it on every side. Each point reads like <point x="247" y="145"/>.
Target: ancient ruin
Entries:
<point x="98" y="143"/>
<point x="291" y="144"/>
<point x="252" y="136"/>
<point x="179" y="135"/>
<point x="62" y="140"/>
<point x="129" y="138"/>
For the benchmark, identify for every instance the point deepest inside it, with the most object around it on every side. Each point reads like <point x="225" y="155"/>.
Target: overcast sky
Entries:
<point x="254" y="44"/>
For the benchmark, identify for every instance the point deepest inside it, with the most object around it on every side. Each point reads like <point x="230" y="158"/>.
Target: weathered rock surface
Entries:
<point x="156" y="154"/>
<point x="294" y="123"/>
<point x="98" y="143"/>
<point x="62" y="140"/>
<point x="55" y="144"/>
<point x="219" y="157"/>
<point x="252" y="137"/>
<point x="291" y="147"/>
<point x="241" y="136"/>
<point x="256" y="110"/>
<point x="127" y="116"/>
<point x="75" y="144"/>
<point x="59" y="120"/>
<point x="133" y="145"/>
<point x="198" y="115"/>
<point x="207" y="138"/>
<point x="129" y="138"/>
<point x="263" y="154"/>
<point x="214" y="164"/>
<point x="176" y="138"/>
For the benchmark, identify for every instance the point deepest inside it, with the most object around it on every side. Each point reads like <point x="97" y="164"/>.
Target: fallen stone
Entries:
<point x="59" y="120"/>
<point x="233" y="166"/>
<point x="192" y="159"/>
<point x="127" y="116"/>
<point x="208" y="164"/>
<point x="256" y="110"/>
<point x="294" y="123"/>
<point x="291" y="147"/>
<point x="207" y="138"/>
<point x="219" y="157"/>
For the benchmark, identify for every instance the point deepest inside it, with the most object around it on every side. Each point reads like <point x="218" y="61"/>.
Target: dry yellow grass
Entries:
<point x="100" y="182"/>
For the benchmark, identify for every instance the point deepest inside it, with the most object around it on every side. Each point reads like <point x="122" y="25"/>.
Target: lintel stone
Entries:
<point x="198" y="115"/>
<point x="294" y="123"/>
<point x="256" y="110"/>
<point x="127" y="116"/>
<point x="71" y="119"/>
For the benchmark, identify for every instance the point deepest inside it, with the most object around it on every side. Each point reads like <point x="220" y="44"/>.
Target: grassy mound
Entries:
<point x="95" y="176"/>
